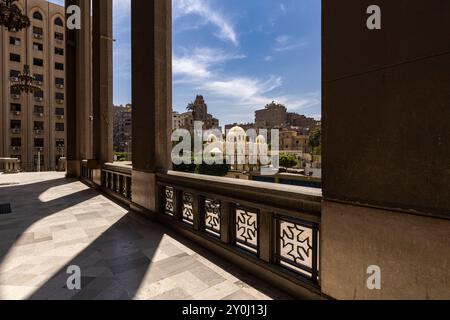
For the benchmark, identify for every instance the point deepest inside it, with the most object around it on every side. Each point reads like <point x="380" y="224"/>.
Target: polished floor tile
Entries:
<point x="57" y="223"/>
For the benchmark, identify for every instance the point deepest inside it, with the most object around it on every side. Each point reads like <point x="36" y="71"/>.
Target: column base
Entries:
<point x="144" y="190"/>
<point x="411" y="252"/>
<point x="73" y="169"/>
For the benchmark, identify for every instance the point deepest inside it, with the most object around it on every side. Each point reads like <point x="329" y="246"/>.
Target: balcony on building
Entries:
<point x="218" y="238"/>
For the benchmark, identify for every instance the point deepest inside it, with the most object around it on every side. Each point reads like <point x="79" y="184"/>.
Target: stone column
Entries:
<point x="102" y="55"/>
<point x="152" y="96"/>
<point x="72" y="145"/>
<point x="386" y="150"/>
<point x="79" y="91"/>
<point x="84" y="79"/>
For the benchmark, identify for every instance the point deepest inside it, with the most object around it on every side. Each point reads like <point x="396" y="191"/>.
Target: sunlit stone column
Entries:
<point x="102" y="63"/>
<point x="151" y="96"/>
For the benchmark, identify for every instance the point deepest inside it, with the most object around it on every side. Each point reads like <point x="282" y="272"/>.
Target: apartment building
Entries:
<point x="33" y="125"/>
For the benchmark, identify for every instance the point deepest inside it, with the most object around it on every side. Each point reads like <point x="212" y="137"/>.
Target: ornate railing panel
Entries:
<point x="212" y="217"/>
<point x="297" y="245"/>
<point x="247" y="229"/>
<point x="279" y="227"/>
<point x="169" y="204"/>
<point x="188" y="208"/>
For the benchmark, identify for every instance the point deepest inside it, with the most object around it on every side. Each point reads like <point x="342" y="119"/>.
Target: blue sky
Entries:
<point x="239" y="54"/>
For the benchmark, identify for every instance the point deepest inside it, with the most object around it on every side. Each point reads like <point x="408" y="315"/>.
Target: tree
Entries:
<point x="190" y="107"/>
<point x="315" y="139"/>
<point x="288" y="161"/>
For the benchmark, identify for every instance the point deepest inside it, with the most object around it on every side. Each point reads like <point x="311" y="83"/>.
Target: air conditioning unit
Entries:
<point x="60" y="101"/>
<point x="17" y="113"/>
<point x="61" y="117"/>
<point x="39" y="99"/>
<point x="60" y="86"/>
<point x="15" y="130"/>
<point x="39" y="83"/>
<point x="15" y="148"/>
<point x="14" y="79"/>
<point x="37" y="131"/>
<point x="15" y="96"/>
<point x="37" y="36"/>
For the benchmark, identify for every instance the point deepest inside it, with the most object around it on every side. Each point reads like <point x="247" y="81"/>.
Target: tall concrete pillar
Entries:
<point x="151" y="96"/>
<point x="72" y="144"/>
<point x="84" y="80"/>
<point x="79" y="90"/>
<point x="386" y="149"/>
<point x="102" y="68"/>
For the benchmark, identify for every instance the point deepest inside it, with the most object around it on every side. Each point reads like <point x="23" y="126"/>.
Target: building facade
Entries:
<point x="197" y="111"/>
<point x="276" y="116"/>
<point x="122" y="128"/>
<point x="33" y="125"/>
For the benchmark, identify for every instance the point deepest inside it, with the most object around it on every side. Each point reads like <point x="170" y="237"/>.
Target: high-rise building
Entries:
<point x="34" y="124"/>
<point x="122" y="131"/>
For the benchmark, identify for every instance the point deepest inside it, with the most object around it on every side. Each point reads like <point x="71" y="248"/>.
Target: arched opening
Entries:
<point x="37" y="16"/>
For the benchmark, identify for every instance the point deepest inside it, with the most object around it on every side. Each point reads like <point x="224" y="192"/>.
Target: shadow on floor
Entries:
<point x="122" y="262"/>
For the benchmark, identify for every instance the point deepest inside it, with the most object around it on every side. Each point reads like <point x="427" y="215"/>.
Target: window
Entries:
<point x="59" y="36"/>
<point x="38" y="143"/>
<point x="39" y="109"/>
<point x="59" y="81"/>
<point x="16" y="124"/>
<point x="59" y="111"/>
<point x="38" y="46"/>
<point x="59" y="66"/>
<point x="37" y="16"/>
<point x="39" y="77"/>
<point x="16" y="107"/>
<point x="59" y="51"/>
<point x="39" y="125"/>
<point x="38" y="32"/>
<point x="39" y="94"/>
<point x="60" y="143"/>
<point x="59" y="22"/>
<point x="15" y="91"/>
<point x="59" y="127"/>
<point x="38" y="62"/>
<point x="16" y="142"/>
<point x="14" y="41"/>
<point x="14" y="57"/>
<point x="59" y="96"/>
<point x="14" y="73"/>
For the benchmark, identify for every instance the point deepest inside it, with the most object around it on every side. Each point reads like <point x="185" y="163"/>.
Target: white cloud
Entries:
<point x="255" y="93"/>
<point x="287" y="43"/>
<point x="200" y="62"/>
<point x="268" y="58"/>
<point x="202" y="9"/>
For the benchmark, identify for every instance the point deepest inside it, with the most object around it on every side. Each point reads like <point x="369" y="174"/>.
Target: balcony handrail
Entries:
<point x="291" y="199"/>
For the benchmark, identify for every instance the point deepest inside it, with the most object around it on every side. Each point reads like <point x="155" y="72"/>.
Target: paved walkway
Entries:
<point x="56" y="223"/>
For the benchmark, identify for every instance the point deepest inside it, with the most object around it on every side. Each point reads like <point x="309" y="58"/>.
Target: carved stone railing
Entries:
<point x="9" y="165"/>
<point x="274" y="226"/>
<point x="86" y="171"/>
<point x="116" y="180"/>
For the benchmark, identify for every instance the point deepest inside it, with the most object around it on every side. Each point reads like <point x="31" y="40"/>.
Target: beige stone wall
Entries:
<point x="412" y="251"/>
<point x="28" y="116"/>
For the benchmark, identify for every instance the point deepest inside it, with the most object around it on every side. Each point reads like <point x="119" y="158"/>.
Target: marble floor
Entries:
<point x="56" y="223"/>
